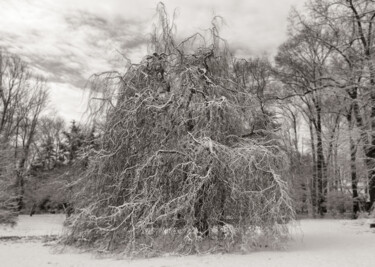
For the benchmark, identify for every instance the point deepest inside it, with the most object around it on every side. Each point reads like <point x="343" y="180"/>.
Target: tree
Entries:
<point x="8" y="206"/>
<point x="22" y="99"/>
<point x="60" y="158"/>
<point x="349" y="33"/>
<point x="300" y="171"/>
<point x="74" y="141"/>
<point x="49" y="143"/>
<point x="302" y="63"/>
<point x="34" y="104"/>
<point x="185" y="149"/>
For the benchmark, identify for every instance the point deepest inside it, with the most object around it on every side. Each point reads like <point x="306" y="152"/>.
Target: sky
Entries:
<point x="67" y="41"/>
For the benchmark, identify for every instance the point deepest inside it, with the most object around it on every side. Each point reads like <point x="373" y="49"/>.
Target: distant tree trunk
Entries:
<point x="370" y="56"/>
<point x="371" y="174"/>
<point x="320" y="163"/>
<point x="21" y="180"/>
<point x="353" y="167"/>
<point x="332" y="155"/>
<point x="370" y="151"/>
<point x="337" y="171"/>
<point x="29" y="130"/>
<point x="369" y="145"/>
<point x="313" y="189"/>
<point x="365" y="24"/>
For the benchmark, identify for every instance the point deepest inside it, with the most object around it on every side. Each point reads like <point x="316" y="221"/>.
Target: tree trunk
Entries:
<point x="370" y="157"/>
<point x="20" y="189"/>
<point x="370" y="151"/>
<point x="369" y="146"/>
<point x="320" y="164"/>
<point x="313" y="188"/>
<point x="21" y="166"/>
<point x="353" y="167"/>
<point x="367" y="45"/>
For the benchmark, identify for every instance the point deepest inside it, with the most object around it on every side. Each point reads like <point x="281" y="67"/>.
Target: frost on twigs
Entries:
<point x="185" y="166"/>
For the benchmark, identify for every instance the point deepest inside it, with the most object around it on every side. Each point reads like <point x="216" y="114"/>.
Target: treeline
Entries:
<point x="326" y="68"/>
<point x="37" y="150"/>
<point x="23" y="97"/>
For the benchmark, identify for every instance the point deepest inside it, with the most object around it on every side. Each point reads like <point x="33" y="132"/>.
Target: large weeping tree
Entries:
<point x="188" y="156"/>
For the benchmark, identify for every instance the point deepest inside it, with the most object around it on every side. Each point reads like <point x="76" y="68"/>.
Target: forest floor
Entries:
<point x="319" y="243"/>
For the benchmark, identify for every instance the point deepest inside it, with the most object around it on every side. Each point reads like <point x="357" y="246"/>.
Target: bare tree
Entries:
<point x="14" y="78"/>
<point x="303" y="63"/>
<point x="349" y="32"/>
<point x="22" y="99"/>
<point x="32" y="105"/>
<point x="48" y="142"/>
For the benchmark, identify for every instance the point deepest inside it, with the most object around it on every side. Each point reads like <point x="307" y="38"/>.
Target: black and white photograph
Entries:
<point x="202" y="133"/>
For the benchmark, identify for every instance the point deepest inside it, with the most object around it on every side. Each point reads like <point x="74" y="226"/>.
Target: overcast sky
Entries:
<point x="68" y="40"/>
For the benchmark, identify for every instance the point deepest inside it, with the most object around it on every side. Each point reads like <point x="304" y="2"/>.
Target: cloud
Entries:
<point x="69" y="40"/>
<point x="69" y="45"/>
<point x="68" y="100"/>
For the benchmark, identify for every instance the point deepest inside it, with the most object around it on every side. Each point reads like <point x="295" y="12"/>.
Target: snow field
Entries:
<point x="320" y="243"/>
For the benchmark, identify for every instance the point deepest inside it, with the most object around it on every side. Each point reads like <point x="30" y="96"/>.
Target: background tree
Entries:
<point x="302" y="63"/>
<point x="60" y="156"/>
<point x="8" y="206"/>
<point x="22" y="98"/>
<point x="25" y="131"/>
<point x="349" y="33"/>
<point x="48" y="146"/>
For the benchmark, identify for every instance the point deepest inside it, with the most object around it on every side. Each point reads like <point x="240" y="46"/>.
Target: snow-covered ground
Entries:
<point x="320" y="243"/>
<point x="37" y="225"/>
